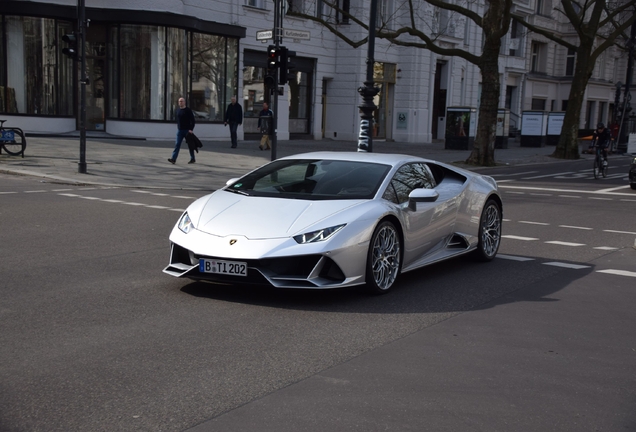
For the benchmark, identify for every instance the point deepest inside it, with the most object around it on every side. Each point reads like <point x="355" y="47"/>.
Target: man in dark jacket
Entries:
<point x="602" y="138"/>
<point x="265" y="125"/>
<point x="234" y="117"/>
<point x="185" y="124"/>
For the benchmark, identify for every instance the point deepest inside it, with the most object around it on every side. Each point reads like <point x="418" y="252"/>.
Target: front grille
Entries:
<point x="299" y="271"/>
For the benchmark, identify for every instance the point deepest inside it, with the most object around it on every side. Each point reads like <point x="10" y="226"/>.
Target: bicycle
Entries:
<point x="12" y="140"/>
<point x="600" y="165"/>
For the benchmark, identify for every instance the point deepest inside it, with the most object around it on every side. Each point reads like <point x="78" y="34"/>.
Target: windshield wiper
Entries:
<point x="238" y="191"/>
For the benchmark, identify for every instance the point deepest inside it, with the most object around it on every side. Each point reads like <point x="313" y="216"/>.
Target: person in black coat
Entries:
<point x="234" y="117"/>
<point x="185" y="124"/>
<point x="265" y="125"/>
<point x="602" y="138"/>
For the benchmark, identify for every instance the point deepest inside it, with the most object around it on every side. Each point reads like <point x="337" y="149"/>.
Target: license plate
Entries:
<point x="234" y="268"/>
<point x="6" y="135"/>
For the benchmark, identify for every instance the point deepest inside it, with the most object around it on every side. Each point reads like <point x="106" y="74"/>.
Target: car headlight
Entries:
<point x="319" y="235"/>
<point x="185" y="224"/>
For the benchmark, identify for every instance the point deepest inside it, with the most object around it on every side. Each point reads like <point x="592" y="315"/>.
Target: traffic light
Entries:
<point x="287" y="67"/>
<point x="272" y="57"/>
<point x="71" y="49"/>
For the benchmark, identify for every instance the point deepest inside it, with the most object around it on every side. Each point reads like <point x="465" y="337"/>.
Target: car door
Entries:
<point x="427" y="225"/>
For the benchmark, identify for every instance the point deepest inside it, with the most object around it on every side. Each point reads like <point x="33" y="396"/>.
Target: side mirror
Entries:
<point x="230" y="181"/>
<point x="422" y="195"/>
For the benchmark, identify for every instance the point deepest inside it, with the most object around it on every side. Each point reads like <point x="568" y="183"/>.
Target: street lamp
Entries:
<point x="368" y="91"/>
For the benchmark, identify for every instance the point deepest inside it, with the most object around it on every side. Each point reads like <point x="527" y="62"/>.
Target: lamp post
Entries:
<point x="81" y="166"/>
<point x="368" y="91"/>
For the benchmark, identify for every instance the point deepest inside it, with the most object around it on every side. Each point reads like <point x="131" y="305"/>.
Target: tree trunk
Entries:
<point x="483" y="153"/>
<point x="568" y="145"/>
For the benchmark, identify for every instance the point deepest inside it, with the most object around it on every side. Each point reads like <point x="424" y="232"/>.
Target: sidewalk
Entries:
<point x="132" y="163"/>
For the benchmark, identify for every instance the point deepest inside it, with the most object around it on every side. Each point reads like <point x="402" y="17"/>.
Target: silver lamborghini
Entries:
<point x="336" y="219"/>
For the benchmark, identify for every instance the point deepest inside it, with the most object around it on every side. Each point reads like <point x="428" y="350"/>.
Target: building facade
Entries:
<point x="142" y="56"/>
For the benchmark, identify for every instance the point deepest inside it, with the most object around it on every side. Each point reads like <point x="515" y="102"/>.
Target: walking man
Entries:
<point x="265" y="125"/>
<point x="234" y="117"/>
<point x="185" y="124"/>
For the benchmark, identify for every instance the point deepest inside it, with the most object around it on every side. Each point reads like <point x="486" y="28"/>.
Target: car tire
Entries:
<point x="384" y="258"/>
<point x="633" y="185"/>
<point x="489" y="231"/>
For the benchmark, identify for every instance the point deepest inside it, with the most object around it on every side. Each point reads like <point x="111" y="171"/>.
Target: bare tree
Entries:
<point x="414" y="32"/>
<point x="597" y="24"/>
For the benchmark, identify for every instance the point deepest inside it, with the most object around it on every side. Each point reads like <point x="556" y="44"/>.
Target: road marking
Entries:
<point x="619" y="232"/>
<point x="547" y="175"/>
<point x="614" y="188"/>
<point x="134" y="203"/>
<point x="177" y="210"/>
<point x="575" y="227"/>
<point x="560" y="243"/>
<point x="629" y="200"/>
<point x="566" y="265"/>
<point x="569" y="196"/>
<point x="513" y="237"/>
<point x="35" y="191"/>
<point x="514" y="174"/>
<point x="514" y="258"/>
<point x="601" y="199"/>
<point x="540" y="194"/>
<point x="530" y="188"/>
<point x="618" y="272"/>
<point x="61" y="190"/>
<point x="7" y="193"/>
<point x="608" y="248"/>
<point x="534" y="223"/>
<point x="112" y="201"/>
<point x="158" y="207"/>
<point x="516" y="193"/>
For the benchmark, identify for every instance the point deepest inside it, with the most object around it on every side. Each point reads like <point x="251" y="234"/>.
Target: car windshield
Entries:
<point x="313" y="179"/>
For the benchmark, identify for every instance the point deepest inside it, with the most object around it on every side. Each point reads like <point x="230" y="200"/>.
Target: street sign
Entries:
<point x="296" y="34"/>
<point x="264" y="34"/>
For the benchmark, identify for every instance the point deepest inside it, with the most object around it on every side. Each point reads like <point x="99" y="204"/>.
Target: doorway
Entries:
<point x="438" y="122"/>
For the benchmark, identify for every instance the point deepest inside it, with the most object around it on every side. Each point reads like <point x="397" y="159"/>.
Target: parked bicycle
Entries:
<point x="600" y="163"/>
<point x="12" y="140"/>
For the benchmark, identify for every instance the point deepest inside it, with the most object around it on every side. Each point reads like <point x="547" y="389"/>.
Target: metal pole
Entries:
<point x="83" y="81"/>
<point x="278" y="29"/>
<point x="368" y="91"/>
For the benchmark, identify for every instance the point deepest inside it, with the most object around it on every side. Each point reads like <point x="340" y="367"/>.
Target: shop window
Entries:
<point x="212" y="91"/>
<point x="32" y="86"/>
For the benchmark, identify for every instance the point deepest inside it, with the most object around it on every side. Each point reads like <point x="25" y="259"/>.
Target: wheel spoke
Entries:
<point x="385" y="257"/>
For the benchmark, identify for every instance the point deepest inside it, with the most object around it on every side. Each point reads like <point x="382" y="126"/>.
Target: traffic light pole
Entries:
<point x="278" y="30"/>
<point x="83" y="81"/>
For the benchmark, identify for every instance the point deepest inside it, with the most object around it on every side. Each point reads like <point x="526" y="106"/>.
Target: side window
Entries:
<point x="407" y="178"/>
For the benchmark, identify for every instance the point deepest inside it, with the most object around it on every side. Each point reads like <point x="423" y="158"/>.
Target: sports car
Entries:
<point x="336" y="219"/>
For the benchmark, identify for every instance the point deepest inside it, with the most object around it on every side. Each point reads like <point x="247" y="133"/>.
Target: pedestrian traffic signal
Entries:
<point x="272" y="57"/>
<point x="71" y="49"/>
<point x="287" y="66"/>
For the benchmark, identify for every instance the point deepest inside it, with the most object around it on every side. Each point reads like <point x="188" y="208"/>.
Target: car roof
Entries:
<point x="384" y="158"/>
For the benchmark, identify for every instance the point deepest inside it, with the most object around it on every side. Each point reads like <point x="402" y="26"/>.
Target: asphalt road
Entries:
<point x="94" y="336"/>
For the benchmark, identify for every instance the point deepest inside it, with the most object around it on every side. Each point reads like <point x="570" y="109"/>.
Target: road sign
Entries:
<point x="296" y="34"/>
<point x="264" y="34"/>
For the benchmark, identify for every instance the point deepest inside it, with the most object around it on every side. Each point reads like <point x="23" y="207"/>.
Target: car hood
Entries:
<point x="227" y="213"/>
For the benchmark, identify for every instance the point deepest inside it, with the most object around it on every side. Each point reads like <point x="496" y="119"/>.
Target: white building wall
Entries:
<point x="344" y="69"/>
